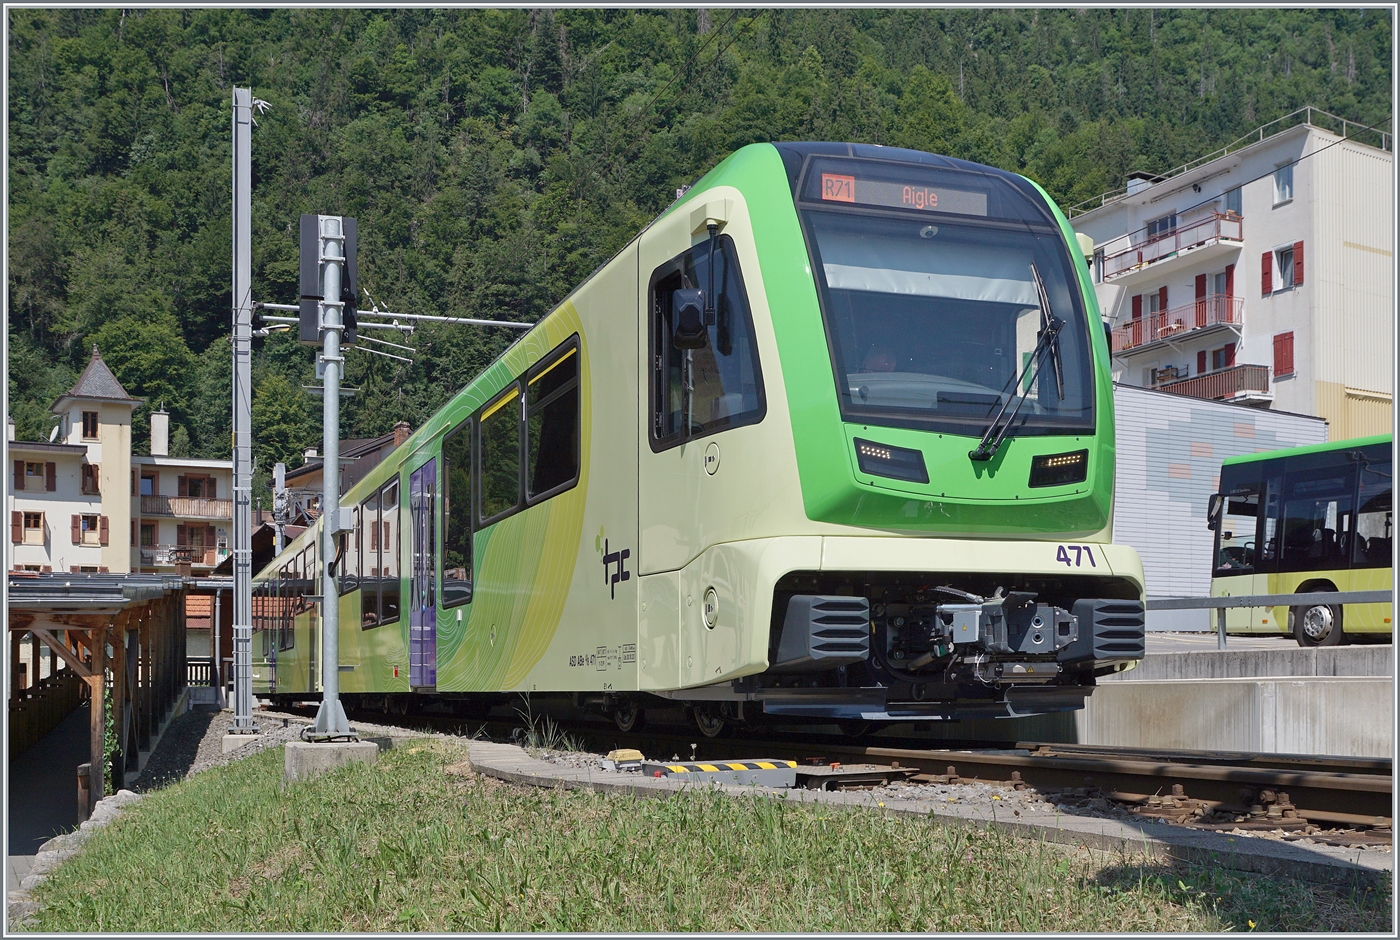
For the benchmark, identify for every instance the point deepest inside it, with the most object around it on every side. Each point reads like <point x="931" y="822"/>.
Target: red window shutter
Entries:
<point x="1283" y="353"/>
<point x="1229" y="355"/>
<point x="1266" y="273"/>
<point x="19" y="475"/>
<point x="46" y="568"/>
<point x="1297" y="264"/>
<point x="72" y="569"/>
<point x="374" y="536"/>
<point x="1137" y="306"/>
<point x="1200" y="287"/>
<point x="182" y="485"/>
<point x="212" y="490"/>
<point x="102" y="530"/>
<point x="1201" y="362"/>
<point x="1229" y="280"/>
<point x="133" y="483"/>
<point x="208" y="538"/>
<point x="16" y="526"/>
<point x="1162" y="299"/>
<point x="50" y="476"/>
<point x="76" y="525"/>
<point x="181" y="536"/>
<point x="102" y="569"/>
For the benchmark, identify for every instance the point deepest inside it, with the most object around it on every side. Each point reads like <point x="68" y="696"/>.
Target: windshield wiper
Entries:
<point x="1049" y="339"/>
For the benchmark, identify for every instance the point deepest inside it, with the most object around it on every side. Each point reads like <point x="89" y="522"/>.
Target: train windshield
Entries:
<point x="928" y="280"/>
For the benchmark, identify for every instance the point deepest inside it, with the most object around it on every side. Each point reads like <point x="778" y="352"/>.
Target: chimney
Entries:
<point x="309" y="454"/>
<point x="1138" y="181"/>
<point x="10" y="427"/>
<point x="401" y="432"/>
<point x="160" y="432"/>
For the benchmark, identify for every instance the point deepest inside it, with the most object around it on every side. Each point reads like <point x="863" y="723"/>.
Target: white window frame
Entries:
<point x="1283" y="185"/>
<point x="1280" y="283"/>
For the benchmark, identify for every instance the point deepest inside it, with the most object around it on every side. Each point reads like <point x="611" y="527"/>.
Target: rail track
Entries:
<point x="1342" y="799"/>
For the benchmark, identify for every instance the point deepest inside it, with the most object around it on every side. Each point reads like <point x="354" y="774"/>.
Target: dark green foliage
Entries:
<point x="495" y="157"/>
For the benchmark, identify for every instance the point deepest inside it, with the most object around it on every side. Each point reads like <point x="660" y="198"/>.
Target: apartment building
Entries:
<point x="1258" y="275"/>
<point x="81" y="502"/>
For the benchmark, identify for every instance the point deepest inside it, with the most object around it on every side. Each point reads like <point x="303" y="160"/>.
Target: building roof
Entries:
<point x="28" y="447"/>
<point x="203" y="463"/>
<point x="97" y="381"/>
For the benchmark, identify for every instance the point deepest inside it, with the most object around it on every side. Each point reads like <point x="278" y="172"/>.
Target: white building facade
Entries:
<point x="1262" y="275"/>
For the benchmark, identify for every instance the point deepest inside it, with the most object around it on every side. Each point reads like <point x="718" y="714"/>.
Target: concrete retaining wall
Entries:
<point x="1335" y="716"/>
<point x="1216" y="664"/>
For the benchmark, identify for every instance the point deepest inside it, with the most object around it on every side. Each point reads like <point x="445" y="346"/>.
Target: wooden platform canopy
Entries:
<point x="129" y="625"/>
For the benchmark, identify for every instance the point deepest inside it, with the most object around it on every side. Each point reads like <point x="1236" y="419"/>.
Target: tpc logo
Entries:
<point x="611" y="558"/>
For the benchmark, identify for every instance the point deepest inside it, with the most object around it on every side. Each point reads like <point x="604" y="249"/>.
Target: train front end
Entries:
<point x="948" y="388"/>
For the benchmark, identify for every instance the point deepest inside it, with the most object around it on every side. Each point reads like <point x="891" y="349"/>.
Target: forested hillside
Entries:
<point x="495" y="157"/>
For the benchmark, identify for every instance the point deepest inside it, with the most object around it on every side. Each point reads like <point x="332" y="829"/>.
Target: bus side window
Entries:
<point x="457" y="515"/>
<point x="1238" y="525"/>
<point x="1374" y="533"/>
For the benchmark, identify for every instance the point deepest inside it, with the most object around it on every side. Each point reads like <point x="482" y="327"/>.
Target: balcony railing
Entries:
<point x="1178" y="321"/>
<point x="1223" y="385"/>
<point x="180" y="555"/>
<point x="1160" y="247"/>
<point x="189" y="507"/>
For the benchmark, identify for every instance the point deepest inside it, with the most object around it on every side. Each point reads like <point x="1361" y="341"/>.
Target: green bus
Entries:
<point x="1301" y="520"/>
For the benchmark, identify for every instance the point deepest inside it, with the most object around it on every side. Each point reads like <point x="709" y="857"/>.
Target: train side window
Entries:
<point x="725" y="384"/>
<point x="552" y="424"/>
<point x="457" y="515"/>
<point x="310" y="580"/>
<point x="499" y="471"/>
<point x="348" y="570"/>
<point x="283" y="604"/>
<point x="369" y="562"/>
<point x="389" y="586"/>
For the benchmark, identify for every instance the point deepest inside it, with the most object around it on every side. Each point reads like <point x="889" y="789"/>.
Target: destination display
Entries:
<point x="839" y="187"/>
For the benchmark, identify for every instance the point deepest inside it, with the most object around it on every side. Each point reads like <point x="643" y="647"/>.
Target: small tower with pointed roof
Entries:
<point x="96" y="414"/>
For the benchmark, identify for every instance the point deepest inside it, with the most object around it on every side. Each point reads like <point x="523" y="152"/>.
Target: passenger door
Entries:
<point x="422" y="615"/>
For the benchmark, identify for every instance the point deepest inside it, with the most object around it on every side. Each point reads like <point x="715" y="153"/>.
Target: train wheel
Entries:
<point x="1317" y="624"/>
<point x="855" y="727"/>
<point x="628" y="716"/>
<point x="709" y="720"/>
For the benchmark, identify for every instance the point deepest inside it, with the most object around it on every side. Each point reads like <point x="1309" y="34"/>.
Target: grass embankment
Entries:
<point x="409" y="844"/>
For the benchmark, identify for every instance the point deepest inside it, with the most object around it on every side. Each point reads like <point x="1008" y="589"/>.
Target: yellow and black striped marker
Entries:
<point x="764" y="773"/>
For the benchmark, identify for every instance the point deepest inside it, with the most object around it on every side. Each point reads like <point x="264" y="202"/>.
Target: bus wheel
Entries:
<point x="1317" y="624"/>
<point x="628" y="716"/>
<point x="709" y="720"/>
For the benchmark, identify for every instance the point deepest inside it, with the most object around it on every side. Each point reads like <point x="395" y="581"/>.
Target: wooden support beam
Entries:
<point x="119" y="697"/>
<point x="64" y="653"/>
<point x="97" y="726"/>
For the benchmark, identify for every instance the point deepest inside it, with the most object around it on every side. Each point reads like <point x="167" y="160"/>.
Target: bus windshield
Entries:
<point x="932" y="316"/>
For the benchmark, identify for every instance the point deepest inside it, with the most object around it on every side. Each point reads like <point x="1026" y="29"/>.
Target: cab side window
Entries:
<point x="708" y="379"/>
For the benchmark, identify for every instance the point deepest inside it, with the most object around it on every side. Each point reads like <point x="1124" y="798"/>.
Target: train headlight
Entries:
<point x="1059" y="469"/>
<point x="898" y="463"/>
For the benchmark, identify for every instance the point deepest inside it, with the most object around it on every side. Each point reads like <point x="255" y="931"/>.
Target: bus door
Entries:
<point x="1371" y="559"/>
<point x="422" y="591"/>
<point x="1236" y="549"/>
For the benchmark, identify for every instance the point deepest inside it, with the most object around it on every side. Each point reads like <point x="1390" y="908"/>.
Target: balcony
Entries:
<point x="187" y="507"/>
<point x="1239" y="384"/>
<point x="181" y="555"/>
<point x="1222" y="232"/>
<point x="1178" y="322"/>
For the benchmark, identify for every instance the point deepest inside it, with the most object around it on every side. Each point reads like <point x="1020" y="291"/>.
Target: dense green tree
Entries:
<point x="495" y="157"/>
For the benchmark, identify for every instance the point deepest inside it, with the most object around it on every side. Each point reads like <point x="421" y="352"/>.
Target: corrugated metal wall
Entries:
<point x="1170" y="449"/>
<point x="1351" y="256"/>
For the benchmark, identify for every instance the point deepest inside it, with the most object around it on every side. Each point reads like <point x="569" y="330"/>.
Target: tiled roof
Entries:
<point x="97" y="381"/>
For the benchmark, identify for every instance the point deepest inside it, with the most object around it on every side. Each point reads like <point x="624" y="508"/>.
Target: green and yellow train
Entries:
<point x="831" y="438"/>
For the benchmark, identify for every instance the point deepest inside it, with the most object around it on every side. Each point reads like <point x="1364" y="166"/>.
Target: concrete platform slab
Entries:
<point x="1315" y="862"/>
<point x="306" y="759"/>
<point x="232" y="742"/>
